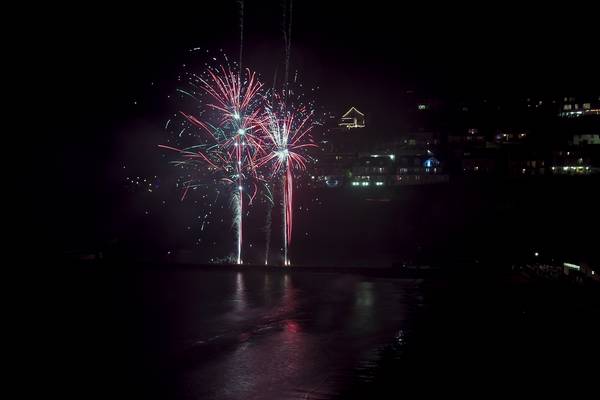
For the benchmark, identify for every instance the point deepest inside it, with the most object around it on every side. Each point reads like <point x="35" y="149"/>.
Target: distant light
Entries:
<point x="536" y="254"/>
<point x="572" y="266"/>
<point x="240" y="188"/>
<point x="392" y="157"/>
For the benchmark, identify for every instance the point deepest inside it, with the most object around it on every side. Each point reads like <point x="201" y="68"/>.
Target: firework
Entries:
<point x="286" y="128"/>
<point x="230" y="143"/>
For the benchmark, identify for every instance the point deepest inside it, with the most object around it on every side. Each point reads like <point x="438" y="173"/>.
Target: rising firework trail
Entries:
<point x="287" y="36"/>
<point x="241" y="3"/>
<point x="269" y="213"/>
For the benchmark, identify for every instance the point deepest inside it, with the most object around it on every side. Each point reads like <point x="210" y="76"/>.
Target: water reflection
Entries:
<point x="267" y="288"/>
<point x="363" y="307"/>
<point x="288" y="300"/>
<point x="288" y="336"/>
<point x="239" y="299"/>
<point x="364" y="295"/>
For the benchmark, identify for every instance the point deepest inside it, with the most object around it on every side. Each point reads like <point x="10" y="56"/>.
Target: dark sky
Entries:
<point x="98" y="59"/>
<point x="361" y="52"/>
<point x="366" y="49"/>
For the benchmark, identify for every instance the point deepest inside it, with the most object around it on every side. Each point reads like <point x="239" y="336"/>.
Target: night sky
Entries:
<point x="107" y="70"/>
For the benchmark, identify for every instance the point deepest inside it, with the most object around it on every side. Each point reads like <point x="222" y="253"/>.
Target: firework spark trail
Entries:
<point x="241" y="3"/>
<point x="287" y="212"/>
<point x="269" y="214"/>
<point x="287" y="37"/>
<point x="289" y="45"/>
<point x="268" y="232"/>
<point x="240" y="198"/>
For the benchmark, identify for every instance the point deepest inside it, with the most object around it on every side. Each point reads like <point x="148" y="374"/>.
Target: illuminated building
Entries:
<point x="586" y="139"/>
<point x="372" y="170"/>
<point x="526" y="162"/>
<point x="418" y="140"/>
<point x="380" y="170"/>
<point x="352" y="119"/>
<point x="482" y="162"/>
<point x="577" y="107"/>
<point x="472" y="137"/>
<point x="418" y="170"/>
<point x="433" y="139"/>
<point x="571" y="162"/>
<point x="331" y="169"/>
<point x="511" y="136"/>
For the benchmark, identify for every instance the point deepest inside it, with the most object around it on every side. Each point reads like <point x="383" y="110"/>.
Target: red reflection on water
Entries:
<point x="292" y="326"/>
